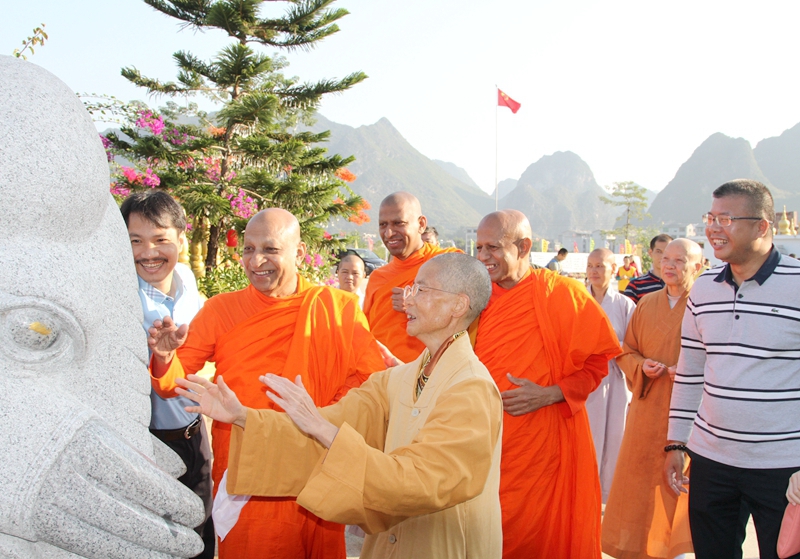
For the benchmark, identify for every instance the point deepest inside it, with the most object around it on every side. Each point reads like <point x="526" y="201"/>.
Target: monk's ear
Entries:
<point x="613" y="268"/>
<point x="301" y="253"/>
<point x="423" y="224"/>
<point x="462" y="306"/>
<point x="525" y="245"/>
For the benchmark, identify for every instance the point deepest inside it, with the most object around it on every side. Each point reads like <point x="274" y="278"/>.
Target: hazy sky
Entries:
<point x="632" y="87"/>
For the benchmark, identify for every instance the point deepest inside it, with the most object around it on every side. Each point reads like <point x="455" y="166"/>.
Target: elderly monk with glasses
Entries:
<point x="412" y="456"/>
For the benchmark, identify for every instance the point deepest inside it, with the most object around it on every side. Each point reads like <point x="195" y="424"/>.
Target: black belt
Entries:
<point x="185" y="433"/>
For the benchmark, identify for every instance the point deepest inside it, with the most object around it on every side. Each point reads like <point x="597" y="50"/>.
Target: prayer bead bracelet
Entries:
<point x="681" y="447"/>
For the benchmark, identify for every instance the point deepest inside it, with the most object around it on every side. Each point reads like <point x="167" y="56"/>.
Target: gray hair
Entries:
<point x="461" y="273"/>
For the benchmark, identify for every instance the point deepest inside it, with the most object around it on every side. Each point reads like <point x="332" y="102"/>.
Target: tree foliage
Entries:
<point x="38" y="38"/>
<point x="248" y="155"/>
<point x="633" y="199"/>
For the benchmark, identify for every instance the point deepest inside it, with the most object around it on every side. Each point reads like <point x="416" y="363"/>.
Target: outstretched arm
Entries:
<point x="164" y="338"/>
<point x="216" y="401"/>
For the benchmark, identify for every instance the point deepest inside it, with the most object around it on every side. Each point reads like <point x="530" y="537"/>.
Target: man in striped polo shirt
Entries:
<point x="651" y="281"/>
<point x="737" y="389"/>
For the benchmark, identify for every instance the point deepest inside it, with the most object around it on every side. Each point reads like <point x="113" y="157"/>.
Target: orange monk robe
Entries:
<point x="319" y="333"/>
<point x="387" y="325"/>
<point x="643" y="517"/>
<point x="549" y="330"/>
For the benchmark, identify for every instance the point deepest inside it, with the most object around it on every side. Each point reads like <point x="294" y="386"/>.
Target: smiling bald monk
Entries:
<point x="546" y="343"/>
<point x="401" y="225"/>
<point x="284" y="325"/>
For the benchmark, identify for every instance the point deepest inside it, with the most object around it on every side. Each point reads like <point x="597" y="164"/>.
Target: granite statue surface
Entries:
<point x="81" y="474"/>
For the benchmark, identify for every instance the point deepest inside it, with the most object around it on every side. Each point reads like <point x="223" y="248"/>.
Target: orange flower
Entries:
<point x="216" y="132"/>
<point x="345" y="174"/>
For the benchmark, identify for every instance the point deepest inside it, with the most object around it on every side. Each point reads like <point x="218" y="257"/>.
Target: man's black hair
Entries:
<point x="157" y="207"/>
<point x="563" y="251"/>
<point x="758" y="196"/>
<point x="662" y="238"/>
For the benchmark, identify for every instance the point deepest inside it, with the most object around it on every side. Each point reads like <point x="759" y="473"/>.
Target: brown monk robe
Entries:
<point x="643" y="517"/>
<point x="401" y="225"/>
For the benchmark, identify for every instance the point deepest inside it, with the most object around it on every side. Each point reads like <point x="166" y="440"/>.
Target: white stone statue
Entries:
<point x="80" y="474"/>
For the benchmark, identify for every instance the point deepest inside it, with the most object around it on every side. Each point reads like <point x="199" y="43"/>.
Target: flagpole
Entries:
<point x="496" y="109"/>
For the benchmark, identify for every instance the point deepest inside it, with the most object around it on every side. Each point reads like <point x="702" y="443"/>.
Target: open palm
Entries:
<point x="216" y="401"/>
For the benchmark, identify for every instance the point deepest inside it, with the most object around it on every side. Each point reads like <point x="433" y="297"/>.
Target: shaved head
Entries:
<point x="600" y="268"/>
<point x="513" y="223"/>
<point x="272" y="249"/>
<point x="693" y="251"/>
<point x="680" y="264"/>
<point x="603" y="254"/>
<point x="504" y="246"/>
<point x="462" y="274"/>
<point x="401" y="224"/>
<point x="403" y="199"/>
<point x="278" y="220"/>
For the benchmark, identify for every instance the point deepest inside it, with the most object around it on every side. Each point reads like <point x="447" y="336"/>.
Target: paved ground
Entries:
<point x="750" y="545"/>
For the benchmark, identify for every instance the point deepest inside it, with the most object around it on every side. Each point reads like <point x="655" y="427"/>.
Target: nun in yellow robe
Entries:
<point x="412" y="456"/>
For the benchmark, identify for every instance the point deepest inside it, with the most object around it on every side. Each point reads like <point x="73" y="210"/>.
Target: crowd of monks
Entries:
<point x="547" y="341"/>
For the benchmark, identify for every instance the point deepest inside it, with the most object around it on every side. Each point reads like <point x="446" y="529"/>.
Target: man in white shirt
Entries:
<point x="157" y="230"/>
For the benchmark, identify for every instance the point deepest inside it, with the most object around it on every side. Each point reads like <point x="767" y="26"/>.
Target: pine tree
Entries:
<point x="633" y="198"/>
<point x="223" y="167"/>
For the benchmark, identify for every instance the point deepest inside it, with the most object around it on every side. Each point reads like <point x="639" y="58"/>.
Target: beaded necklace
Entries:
<point x="429" y="362"/>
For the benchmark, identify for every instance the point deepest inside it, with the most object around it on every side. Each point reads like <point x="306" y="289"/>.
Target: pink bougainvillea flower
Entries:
<point x="119" y="190"/>
<point x="148" y="119"/>
<point x="130" y="174"/>
<point x="150" y="178"/>
<point x="318" y="260"/>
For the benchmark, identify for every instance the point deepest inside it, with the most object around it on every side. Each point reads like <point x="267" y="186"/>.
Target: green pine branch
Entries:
<point x="302" y="96"/>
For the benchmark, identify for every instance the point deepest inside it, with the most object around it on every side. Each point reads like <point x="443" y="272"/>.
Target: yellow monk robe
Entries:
<point x="625" y="275"/>
<point x="549" y="330"/>
<point x="420" y="476"/>
<point x="643" y="517"/>
<point x="319" y="333"/>
<point x="387" y="325"/>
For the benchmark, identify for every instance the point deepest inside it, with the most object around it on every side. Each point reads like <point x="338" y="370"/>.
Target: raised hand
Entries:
<point x="165" y="337"/>
<point x="298" y="405"/>
<point x="653" y="369"/>
<point x="388" y="359"/>
<point x="398" y="301"/>
<point x="529" y="397"/>
<point x="217" y="401"/>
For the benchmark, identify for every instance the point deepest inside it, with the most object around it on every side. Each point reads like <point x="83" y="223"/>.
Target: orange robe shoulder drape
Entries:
<point x="319" y="333"/>
<point x="643" y="518"/>
<point x="387" y="325"/>
<point x="547" y="329"/>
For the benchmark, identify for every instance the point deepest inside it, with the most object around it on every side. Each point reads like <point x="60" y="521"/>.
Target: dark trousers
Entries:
<point x="196" y="454"/>
<point x="720" y="495"/>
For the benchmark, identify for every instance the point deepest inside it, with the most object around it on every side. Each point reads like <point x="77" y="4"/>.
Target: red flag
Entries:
<point x="504" y="100"/>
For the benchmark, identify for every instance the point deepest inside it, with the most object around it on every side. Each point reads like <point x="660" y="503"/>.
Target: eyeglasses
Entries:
<point x="726" y="220"/>
<point x="414" y="288"/>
